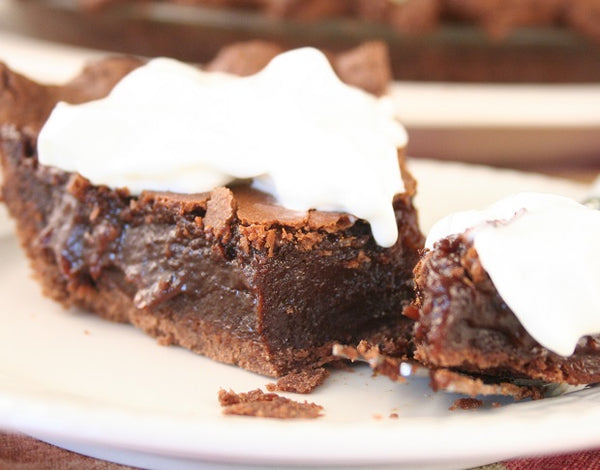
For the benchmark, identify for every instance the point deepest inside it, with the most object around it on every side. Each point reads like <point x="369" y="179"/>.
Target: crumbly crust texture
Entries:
<point x="440" y="379"/>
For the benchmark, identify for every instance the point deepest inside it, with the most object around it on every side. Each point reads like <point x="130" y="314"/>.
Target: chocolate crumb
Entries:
<point x="440" y="379"/>
<point x="444" y="379"/>
<point x="394" y="415"/>
<point x="300" y="382"/>
<point x="466" y="404"/>
<point x="266" y="405"/>
<point x="370" y="353"/>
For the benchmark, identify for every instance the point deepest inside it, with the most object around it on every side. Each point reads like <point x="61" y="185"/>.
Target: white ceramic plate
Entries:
<point x="109" y="391"/>
<point x="523" y="126"/>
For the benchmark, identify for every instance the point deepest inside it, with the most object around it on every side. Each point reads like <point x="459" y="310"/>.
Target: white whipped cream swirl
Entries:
<point x="306" y="137"/>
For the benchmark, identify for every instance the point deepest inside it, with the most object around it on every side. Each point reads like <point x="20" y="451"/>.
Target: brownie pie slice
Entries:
<point x="228" y="273"/>
<point x="516" y="297"/>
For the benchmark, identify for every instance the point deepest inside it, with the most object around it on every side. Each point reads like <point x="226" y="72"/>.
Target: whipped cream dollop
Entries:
<point x="542" y="252"/>
<point x="303" y="135"/>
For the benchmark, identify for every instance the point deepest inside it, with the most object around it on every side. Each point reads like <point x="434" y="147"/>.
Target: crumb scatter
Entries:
<point x="266" y="405"/>
<point x="466" y="404"/>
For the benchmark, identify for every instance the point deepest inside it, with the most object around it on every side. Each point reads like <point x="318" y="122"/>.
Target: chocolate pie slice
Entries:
<point x="514" y="296"/>
<point x="228" y="273"/>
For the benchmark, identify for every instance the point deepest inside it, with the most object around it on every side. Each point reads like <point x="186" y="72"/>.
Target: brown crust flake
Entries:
<point x="444" y="379"/>
<point x="440" y="379"/>
<point x="466" y="404"/>
<point x="258" y="404"/>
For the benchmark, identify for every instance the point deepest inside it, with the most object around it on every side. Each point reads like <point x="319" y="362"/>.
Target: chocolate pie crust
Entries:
<point x="227" y="273"/>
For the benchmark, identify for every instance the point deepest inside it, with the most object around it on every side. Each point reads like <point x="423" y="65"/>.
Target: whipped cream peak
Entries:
<point x="542" y="253"/>
<point x="295" y="128"/>
<point x="501" y="211"/>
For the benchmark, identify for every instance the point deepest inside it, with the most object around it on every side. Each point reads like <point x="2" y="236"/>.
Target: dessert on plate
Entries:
<point x="512" y="292"/>
<point x="132" y="201"/>
<point x="204" y="208"/>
